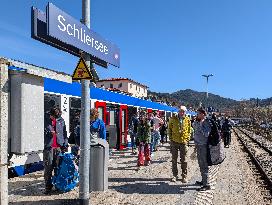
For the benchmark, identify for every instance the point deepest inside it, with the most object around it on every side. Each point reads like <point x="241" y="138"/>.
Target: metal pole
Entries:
<point x="207" y="93"/>
<point x="84" y="167"/>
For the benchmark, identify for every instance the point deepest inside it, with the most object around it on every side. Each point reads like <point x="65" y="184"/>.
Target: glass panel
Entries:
<point x="123" y="139"/>
<point x="100" y="112"/>
<point x="75" y="107"/>
<point x="51" y="101"/>
<point x="123" y="120"/>
<point x="112" y="117"/>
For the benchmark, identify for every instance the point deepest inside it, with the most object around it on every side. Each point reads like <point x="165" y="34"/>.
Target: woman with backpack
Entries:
<point x="144" y="136"/>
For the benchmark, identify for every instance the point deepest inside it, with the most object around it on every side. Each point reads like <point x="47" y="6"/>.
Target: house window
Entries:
<point x="120" y="85"/>
<point x="136" y="87"/>
<point x="130" y="85"/>
<point x="139" y="89"/>
<point x="111" y="85"/>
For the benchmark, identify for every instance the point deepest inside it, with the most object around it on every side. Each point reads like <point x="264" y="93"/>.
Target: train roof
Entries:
<point x="61" y="83"/>
<point x="74" y="89"/>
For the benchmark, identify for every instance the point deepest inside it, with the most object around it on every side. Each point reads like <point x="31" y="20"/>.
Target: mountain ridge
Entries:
<point x="195" y="99"/>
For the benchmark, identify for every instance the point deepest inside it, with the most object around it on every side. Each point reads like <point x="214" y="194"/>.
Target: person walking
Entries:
<point x="157" y="122"/>
<point x="226" y="130"/>
<point x="202" y="130"/>
<point x="144" y="136"/>
<point x="179" y="130"/>
<point x="55" y="142"/>
<point x="163" y="130"/>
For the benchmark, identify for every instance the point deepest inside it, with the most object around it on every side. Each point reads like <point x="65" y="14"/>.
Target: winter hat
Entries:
<point x="183" y="108"/>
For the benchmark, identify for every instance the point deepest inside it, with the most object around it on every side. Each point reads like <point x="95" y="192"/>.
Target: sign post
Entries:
<point x="60" y="30"/>
<point x="85" y="140"/>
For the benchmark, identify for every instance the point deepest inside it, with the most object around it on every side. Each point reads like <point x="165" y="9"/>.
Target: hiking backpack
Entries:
<point x="214" y="136"/>
<point x="66" y="175"/>
<point x="216" y="153"/>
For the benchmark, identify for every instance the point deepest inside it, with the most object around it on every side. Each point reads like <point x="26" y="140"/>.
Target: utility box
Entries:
<point x="99" y="160"/>
<point x="112" y="130"/>
<point x="26" y="112"/>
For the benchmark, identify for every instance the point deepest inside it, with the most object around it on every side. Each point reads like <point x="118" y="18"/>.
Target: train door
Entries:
<point x="113" y="134"/>
<point x="123" y="128"/>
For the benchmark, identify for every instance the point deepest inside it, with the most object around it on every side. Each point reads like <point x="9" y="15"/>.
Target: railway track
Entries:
<point x="260" y="154"/>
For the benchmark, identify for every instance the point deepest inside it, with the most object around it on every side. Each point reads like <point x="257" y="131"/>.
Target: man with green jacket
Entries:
<point x="179" y="130"/>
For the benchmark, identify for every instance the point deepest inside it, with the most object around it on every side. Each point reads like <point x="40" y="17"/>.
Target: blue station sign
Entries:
<point x="66" y="29"/>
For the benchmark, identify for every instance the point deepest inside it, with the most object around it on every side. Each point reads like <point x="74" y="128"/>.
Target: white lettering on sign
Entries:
<point x="80" y="34"/>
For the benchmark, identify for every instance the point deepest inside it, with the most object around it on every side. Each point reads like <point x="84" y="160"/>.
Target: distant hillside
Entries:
<point x="194" y="99"/>
<point x="261" y="102"/>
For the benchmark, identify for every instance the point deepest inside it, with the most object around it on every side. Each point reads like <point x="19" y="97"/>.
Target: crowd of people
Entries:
<point x="56" y="139"/>
<point x="147" y="132"/>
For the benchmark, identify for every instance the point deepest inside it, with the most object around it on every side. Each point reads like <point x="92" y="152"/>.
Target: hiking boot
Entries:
<point x="184" y="180"/>
<point x="147" y="163"/>
<point x="204" y="188"/>
<point x="199" y="183"/>
<point x="174" y="179"/>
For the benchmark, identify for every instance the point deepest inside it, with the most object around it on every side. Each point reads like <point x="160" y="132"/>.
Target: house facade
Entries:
<point x="124" y="84"/>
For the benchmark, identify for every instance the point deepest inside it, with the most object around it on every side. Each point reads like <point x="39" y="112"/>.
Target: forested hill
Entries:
<point x="191" y="98"/>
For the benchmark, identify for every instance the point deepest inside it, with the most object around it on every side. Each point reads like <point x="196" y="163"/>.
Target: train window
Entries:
<point x="50" y="101"/>
<point x="100" y="113"/>
<point x="75" y="103"/>
<point x="75" y="107"/>
<point x="112" y="117"/>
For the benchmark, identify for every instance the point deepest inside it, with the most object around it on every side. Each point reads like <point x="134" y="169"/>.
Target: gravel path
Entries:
<point x="236" y="183"/>
<point x="150" y="185"/>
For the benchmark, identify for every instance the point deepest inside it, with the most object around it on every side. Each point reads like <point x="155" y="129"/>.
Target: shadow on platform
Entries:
<point x="154" y="188"/>
<point x="48" y="202"/>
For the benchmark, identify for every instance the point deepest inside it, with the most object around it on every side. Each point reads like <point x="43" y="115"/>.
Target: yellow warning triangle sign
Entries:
<point x="82" y="71"/>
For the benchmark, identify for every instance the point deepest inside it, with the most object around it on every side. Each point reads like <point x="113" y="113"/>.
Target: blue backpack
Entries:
<point x="66" y="174"/>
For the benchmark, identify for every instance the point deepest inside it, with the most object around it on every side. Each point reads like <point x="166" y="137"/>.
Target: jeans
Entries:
<point x="50" y="159"/>
<point x="202" y="151"/>
<point x="156" y="139"/>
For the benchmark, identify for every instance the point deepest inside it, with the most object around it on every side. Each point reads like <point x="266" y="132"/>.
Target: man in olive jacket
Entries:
<point x="179" y="130"/>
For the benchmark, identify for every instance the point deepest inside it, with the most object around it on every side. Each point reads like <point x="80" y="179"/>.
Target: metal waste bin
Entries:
<point x="99" y="160"/>
<point x="112" y="129"/>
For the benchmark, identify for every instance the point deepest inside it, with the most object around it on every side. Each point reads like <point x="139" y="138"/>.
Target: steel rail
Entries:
<point x="256" y="161"/>
<point x="256" y="141"/>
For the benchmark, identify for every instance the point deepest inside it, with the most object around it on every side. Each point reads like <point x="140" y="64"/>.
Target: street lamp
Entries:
<point x="207" y="78"/>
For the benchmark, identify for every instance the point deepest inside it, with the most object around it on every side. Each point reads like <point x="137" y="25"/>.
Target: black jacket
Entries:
<point x="61" y="132"/>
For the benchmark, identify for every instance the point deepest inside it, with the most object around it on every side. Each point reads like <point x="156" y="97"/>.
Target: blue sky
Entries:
<point x="165" y="44"/>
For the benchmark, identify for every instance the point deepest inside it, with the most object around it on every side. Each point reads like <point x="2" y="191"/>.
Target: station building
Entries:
<point x="127" y="85"/>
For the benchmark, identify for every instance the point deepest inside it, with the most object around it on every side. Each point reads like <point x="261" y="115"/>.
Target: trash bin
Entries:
<point x="112" y="129"/>
<point x="99" y="165"/>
